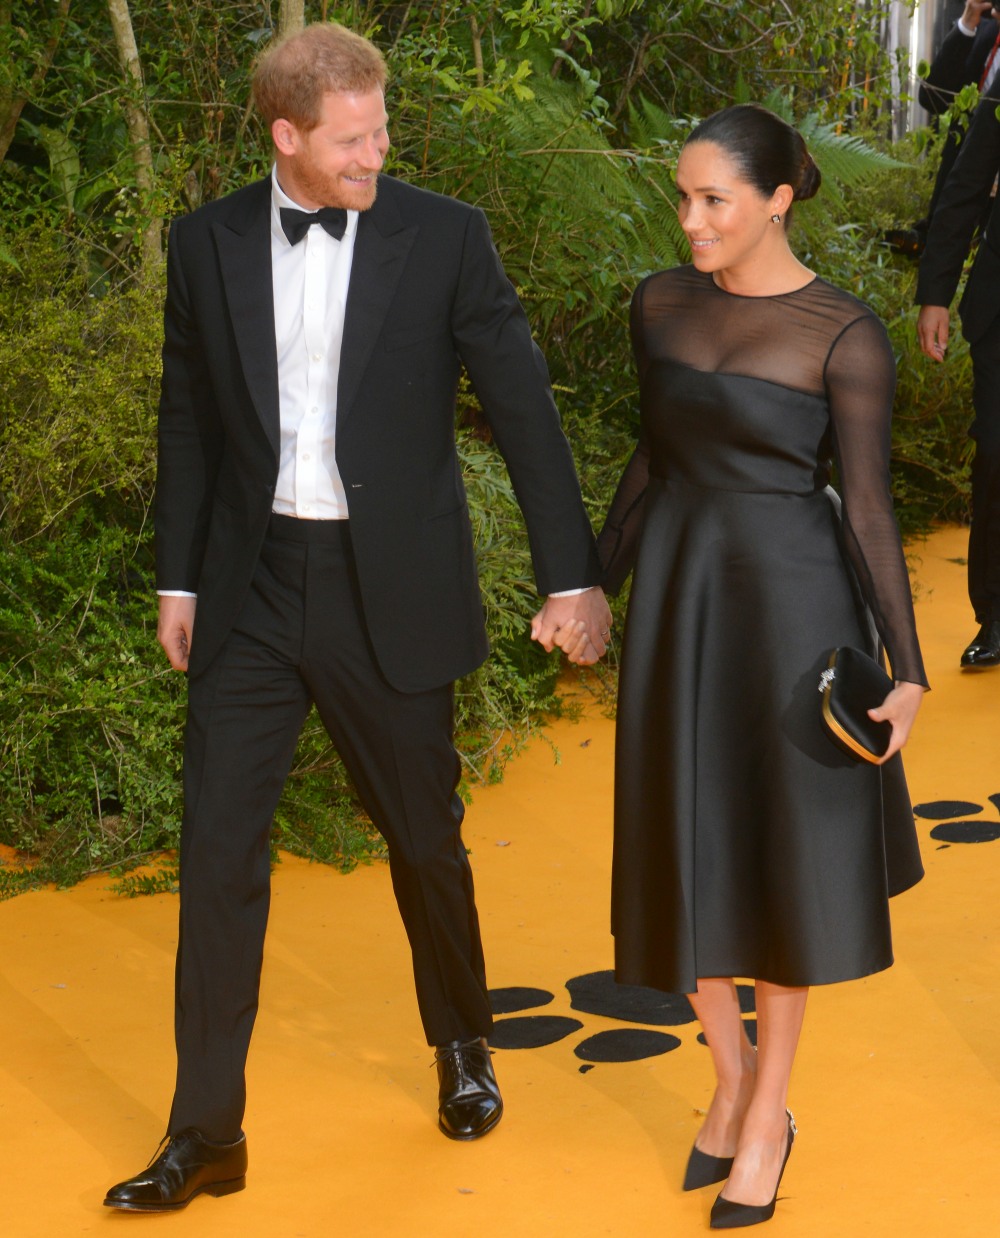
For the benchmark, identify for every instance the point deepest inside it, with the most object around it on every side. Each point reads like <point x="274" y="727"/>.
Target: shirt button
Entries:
<point x="317" y="356"/>
<point x="306" y="456"/>
<point x="314" y="409"/>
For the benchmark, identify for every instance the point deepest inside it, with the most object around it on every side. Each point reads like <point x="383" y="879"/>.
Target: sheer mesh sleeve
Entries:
<point x="860" y="380"/>
<point x="619" y="538"/>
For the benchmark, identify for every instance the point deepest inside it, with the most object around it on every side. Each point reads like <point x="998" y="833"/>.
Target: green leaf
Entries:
<point x="8" y="259"/>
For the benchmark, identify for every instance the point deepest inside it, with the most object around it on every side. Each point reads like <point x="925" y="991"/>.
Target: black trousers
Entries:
<point x="300" y="639"/>
<point x="984" y="534"/>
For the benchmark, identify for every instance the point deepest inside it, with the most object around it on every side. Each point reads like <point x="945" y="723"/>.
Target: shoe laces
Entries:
<point x="456" y="1051"/>
<point x="159" y="1149"/>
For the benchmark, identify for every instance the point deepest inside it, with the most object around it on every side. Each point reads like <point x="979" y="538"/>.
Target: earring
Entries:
<point x="776" y="219"/>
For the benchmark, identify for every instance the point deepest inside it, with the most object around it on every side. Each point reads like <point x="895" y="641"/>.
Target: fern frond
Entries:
<point x="845" y="158"/>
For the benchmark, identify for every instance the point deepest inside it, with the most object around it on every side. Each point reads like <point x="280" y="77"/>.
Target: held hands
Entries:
<point x="899" y="708"/>
<point x="932" y="331"/>
<point x="579" y="625"/>
<point x="174" y="628"/>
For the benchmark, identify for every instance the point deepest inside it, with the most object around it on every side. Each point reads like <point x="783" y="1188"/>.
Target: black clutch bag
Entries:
<point x="852" y="684"/>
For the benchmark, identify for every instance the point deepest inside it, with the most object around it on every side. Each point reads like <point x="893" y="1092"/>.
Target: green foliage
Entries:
<point x="89" y="735"/>
<point x="81" y="374"/>
<point x="496" y="706"/>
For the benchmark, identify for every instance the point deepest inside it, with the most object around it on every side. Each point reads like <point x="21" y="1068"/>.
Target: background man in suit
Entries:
<point x="963" y="57"/>
<point x="964" y="197"/>
<point x="968" y="55"/>
<point x="310" y="504"/>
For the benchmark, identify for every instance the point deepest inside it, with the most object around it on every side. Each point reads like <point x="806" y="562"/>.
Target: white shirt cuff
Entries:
<point x="175" y="593"/>
<point x="571" y="593"/>
<point x="965" y="29"/>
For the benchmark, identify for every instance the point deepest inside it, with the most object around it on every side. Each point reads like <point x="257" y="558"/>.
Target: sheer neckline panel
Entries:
<point x="784" y="340"/>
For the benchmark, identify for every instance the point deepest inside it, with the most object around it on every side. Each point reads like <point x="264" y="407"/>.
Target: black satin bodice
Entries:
<point x="765" y="395"/>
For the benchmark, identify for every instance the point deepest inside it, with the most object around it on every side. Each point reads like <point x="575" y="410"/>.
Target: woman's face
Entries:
<point x="725" y="219"/>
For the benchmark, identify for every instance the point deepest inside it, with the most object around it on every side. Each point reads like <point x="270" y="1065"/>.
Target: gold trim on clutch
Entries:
<point x="848" y="740"/>
<point x="825" y="684"/>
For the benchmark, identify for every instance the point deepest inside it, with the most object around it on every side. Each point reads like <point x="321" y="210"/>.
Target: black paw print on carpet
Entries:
<point x="951" y="831"/>
<point x="597" y="993"/>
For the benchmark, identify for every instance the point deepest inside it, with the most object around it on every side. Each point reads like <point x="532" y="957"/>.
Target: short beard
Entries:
<point x="329" y="191"/>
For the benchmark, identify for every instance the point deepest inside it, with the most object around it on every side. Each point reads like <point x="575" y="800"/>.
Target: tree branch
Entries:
<point x="15" y="105"/>
<point x="138" y="127"/>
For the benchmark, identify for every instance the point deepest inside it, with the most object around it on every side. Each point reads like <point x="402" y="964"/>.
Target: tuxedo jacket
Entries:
<point x="959" y="62"/>
<point x="963" y="198"/>
<point x="427" y="294"/>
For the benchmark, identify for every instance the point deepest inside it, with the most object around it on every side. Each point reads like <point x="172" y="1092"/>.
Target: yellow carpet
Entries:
<point x="896" y="1091"/>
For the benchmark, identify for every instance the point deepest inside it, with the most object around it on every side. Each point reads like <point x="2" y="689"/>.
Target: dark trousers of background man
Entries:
<point x="984" y="535"/>
<point x="301" y="638"/>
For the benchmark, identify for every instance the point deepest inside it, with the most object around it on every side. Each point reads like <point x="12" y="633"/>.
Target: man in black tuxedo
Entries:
<point x="964" y="197"/>
<point x="310" y="505"/>
<point x="962" y="57"/>
<point x="967" y="56"/>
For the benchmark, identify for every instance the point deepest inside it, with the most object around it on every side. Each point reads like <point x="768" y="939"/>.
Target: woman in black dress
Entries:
<point x="746" y="843"/>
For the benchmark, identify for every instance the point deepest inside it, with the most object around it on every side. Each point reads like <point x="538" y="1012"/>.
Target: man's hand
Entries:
<point x="174" y="629"/>
<point x="579" y="625"/>
<point x="974" y="12"/>
<point x="932" y="331"/>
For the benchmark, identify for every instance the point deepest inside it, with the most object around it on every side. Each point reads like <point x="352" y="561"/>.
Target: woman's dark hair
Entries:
<point x="766" y="150"/>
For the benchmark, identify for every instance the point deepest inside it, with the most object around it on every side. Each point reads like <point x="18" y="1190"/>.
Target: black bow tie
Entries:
<point x="295" y="224"/>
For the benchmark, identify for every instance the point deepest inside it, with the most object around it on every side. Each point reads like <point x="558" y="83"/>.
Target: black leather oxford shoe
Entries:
<point x="984" y="652"/>
<point x="469" y="1101"/>
<point x="187" y="1166"/>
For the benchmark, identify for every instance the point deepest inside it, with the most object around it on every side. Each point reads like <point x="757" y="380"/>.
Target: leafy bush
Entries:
<point x="80" y="380"/>
<point x="89" y="720"/>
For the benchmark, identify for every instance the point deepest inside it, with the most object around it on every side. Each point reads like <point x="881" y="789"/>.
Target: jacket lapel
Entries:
<point x="380" y="251"/>
<point x="243" y="244"/>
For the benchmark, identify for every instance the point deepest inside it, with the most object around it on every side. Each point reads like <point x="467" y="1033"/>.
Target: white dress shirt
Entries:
<point x="310" y="283"/>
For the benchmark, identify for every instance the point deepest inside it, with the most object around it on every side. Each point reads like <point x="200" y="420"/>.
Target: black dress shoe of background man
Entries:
<point x="984" y="651"/>
<point x="187" y="1166"/>
<point x="469" y="1101"/>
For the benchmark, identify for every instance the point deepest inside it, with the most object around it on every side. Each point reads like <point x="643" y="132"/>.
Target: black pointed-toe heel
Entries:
<point x="703" y="1170"/>
<point x="728" y="1214"/>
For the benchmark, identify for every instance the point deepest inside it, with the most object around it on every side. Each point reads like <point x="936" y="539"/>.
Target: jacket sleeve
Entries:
<point x="959" y="61"/>
<point x="189" y="438"/>
<point x="963" y="198"/>
<point x="511" y="380"/>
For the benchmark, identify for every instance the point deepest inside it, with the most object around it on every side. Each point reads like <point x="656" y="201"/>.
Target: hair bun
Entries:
<point x="810" y="180"/>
